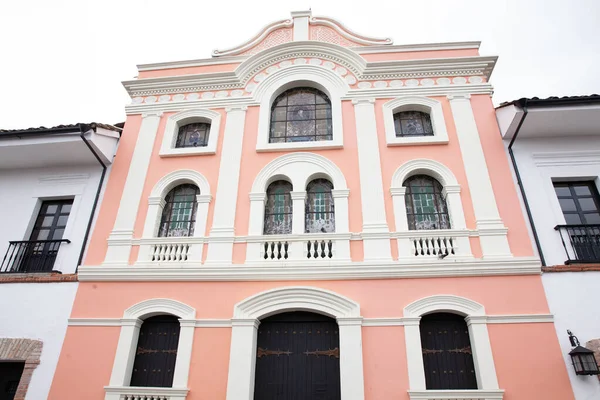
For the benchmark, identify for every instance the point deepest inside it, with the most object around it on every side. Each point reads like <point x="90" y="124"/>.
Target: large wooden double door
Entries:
<point x="298" y="358"/>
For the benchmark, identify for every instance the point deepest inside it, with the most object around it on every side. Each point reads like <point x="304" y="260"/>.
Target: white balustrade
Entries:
<point x="298" y="248"/>
<point x="433" y="246"/>
<point x="144" y="393"/>
<point x="427" y="244"/>
<point x="170" y="252"/>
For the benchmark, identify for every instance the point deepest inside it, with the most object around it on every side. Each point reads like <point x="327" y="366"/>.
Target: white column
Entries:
<point x="482" y="353"/>
<point x="342" y="223"/>
<point x="242" y="359"/>
<point x="296" y="249"/>
<point x="457" y="219"/>
<point x="414" y="354"/>
<point x="405" y="248"/>
<point x="118" y="251"/>
<point x="371" y="181"/>
<point x="184" y="353"/>
<point x="203" y="201"/>
<point x="351" y="359"/>
<point x="255" y="227"/>
<point x="492" y="231"/>
<point x="126" y="348"/>
<point x="221" y="251"/>
<point x="151" y="226"/>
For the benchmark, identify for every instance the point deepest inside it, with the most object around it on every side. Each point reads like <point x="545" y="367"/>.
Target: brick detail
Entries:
<point x="572" y="268"/>
<point x="38" y="278"/>
<point x="22" y="350"/>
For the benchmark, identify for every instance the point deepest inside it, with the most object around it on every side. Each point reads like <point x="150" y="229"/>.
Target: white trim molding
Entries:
<point x="240" y="383"/>
<point x="480" y="342"/>
<point x="126" y="348"/>
<point x="129" y="392"/>
<point x="177" y="120"/>
<point x="427" y="105"/>
<point x="323" y="79"/>
<point x="456" y="394"/>
<point x="156" y="204"/>
<point x="458" y="236"/>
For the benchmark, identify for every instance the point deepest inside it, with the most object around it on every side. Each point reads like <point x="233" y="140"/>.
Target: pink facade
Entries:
<point x="378" y="277"/>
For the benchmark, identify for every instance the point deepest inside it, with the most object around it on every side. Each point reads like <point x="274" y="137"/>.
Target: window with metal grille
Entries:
<point x="156" y="353"/>
<point x="193" y="135"/>
<point x="425" y="206"/>
<point x="319" y="210"/>
<point x="301" y="115"/>
<point x="412" y="123"/>
<point x="278" y="209"/>
<point x="179" y="214"/>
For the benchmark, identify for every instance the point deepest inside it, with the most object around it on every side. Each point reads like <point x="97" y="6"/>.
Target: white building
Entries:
<point x="554" y="145"/>
<point x="51" y="182"/>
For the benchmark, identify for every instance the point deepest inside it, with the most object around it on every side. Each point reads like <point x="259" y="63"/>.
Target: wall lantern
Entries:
<point x="583" y="359"/>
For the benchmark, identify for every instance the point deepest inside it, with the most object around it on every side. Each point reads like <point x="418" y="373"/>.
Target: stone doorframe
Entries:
<point x="26" y="350"/>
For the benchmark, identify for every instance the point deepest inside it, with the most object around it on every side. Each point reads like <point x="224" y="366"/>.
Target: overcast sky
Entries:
<point x="63" y="61"/>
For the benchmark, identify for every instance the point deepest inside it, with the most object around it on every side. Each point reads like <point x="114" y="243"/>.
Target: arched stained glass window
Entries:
<point x="179" y="213"/>
<point x="193" y="135"/>
<point x="425" y="206"/>
<point x="412" y="123"/>
<point x="301" y="115"/>
<point x="278" y="209"/>
<point x="319" y="213"/>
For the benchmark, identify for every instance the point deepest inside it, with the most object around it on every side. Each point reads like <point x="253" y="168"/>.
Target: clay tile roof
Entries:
<point x="552" y="100"/>
<point x="64" y="128"/>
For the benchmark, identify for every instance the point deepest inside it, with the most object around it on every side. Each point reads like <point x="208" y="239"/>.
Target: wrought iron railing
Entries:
<point x="31" y="255"/>
<point x="581" y="243"/>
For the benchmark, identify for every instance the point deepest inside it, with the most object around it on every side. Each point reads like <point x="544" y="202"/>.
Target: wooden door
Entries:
<point x="156" y="353"/>
<point x="447" y="354"/>
<point x="298" y="358"/>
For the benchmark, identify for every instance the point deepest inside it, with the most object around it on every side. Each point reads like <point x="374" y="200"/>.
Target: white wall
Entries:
<point x="21" y="192"/>
<point x="572" y="296"/>
<point x="37" y="311"/>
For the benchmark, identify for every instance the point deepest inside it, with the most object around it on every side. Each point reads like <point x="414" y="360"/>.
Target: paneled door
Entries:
<point x="298" y="358"/>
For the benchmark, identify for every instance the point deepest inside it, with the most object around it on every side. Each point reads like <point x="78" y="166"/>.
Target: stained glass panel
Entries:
<point x="278" y="209"/>
<point x="412" y="123"/>
<point x="425" y="206"/>
<point x="179" y="213"/>
<point x="193" y="135"/>
<point x="319" y="213"/>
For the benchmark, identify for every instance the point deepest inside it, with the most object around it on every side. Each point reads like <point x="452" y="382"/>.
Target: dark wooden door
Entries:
<point x="10" y="375"/>
<point x="298" y="358"/>
<point x="447" y="355"/>
<point x="156" y="353"/>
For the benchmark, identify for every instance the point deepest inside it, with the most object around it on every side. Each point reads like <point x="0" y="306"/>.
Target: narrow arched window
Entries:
<point x="319" y="212"/>
<point x="447" y="353"/>
<point x="193" y="135"/>
<point x="425" y="205"/>
<point x="301" y="115"/>
<point x="179" y="213"/>
<point x="412" y="123"/>
<point x="278" y="209"/>
<point x="156" y="353"/>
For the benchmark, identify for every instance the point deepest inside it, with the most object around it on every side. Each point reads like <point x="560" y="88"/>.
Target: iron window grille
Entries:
<point x="319" y="209"/>
<point x="301" y="115"/>
<point x="278" y="209"/>
<point x="193" y="135"/>
<point x="179" y="213"/>
<point x="425" y="205"/>
<point x="412" y="123"/>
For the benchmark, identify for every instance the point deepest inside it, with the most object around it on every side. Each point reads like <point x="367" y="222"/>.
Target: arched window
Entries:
<point x="193" y="135"/>
<point x="319" y="212"/>
<point x="301" y="115"/>
<point x="179" y="214"/>
<point x="156" y="353"/>
<point x="425" y="206"/>
<point x="447" y="353"/>
<point x="278" y="209"/>
<point x="412" y="123"/>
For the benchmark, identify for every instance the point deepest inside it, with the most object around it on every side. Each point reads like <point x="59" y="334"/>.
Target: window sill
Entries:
<point x="118" y="392"/>
<point x="188" y="151"/>
<point x="325" y="144"/>
<point x="416" y="141"/>
<point x="456" y="394"/>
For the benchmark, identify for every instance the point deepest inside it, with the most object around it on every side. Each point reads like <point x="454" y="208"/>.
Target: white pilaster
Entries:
<point x="118" y="253"/>
<point x="242" y="359"/>
<point x="301" y="25"/>
<point x="494" y="242"/>
<point x="298" y="221"/>
<point x="342" y="223"/>
<point x="371" y="182"/>
<point x="221" y="252"/>
<point x="155" y="207"/>
<point x="126" y="347"/>
<point x="414" y="354"/>
<point x="482" y="353"/>
<point x="351" y="362"/>
<point x="184" y="353"/>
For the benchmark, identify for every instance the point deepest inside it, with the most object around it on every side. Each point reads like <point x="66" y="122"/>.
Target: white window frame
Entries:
<point x="474" y="313"/>
<point x="244" y="333"/>
<point x="177" y="120"/>
<point x="126" y="348"/>
<point x="427" y="105"/>
<point x="316" y="77"/>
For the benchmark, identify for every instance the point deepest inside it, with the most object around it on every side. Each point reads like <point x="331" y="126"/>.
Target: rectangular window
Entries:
<point x="579" y="202"/>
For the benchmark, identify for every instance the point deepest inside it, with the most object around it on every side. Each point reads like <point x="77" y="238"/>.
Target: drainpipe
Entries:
<point x="89" y="225"/>
<point x="520" y="183"/>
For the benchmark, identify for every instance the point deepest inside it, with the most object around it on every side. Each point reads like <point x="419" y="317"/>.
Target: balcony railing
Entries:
<point x="581" y="243"/>
<point x="31" y="256"/>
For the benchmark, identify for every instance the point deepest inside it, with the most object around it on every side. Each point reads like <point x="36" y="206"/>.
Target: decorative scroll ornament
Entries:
<point x="464" y="350"/>
<point x="265" y="352"/>
<point x="141" y="350"/>
<point x="329" y="353"/>
<point x="431" y="351"/>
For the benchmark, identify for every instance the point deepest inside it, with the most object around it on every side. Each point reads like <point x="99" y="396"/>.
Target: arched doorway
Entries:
<point x="298" y="358"/>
